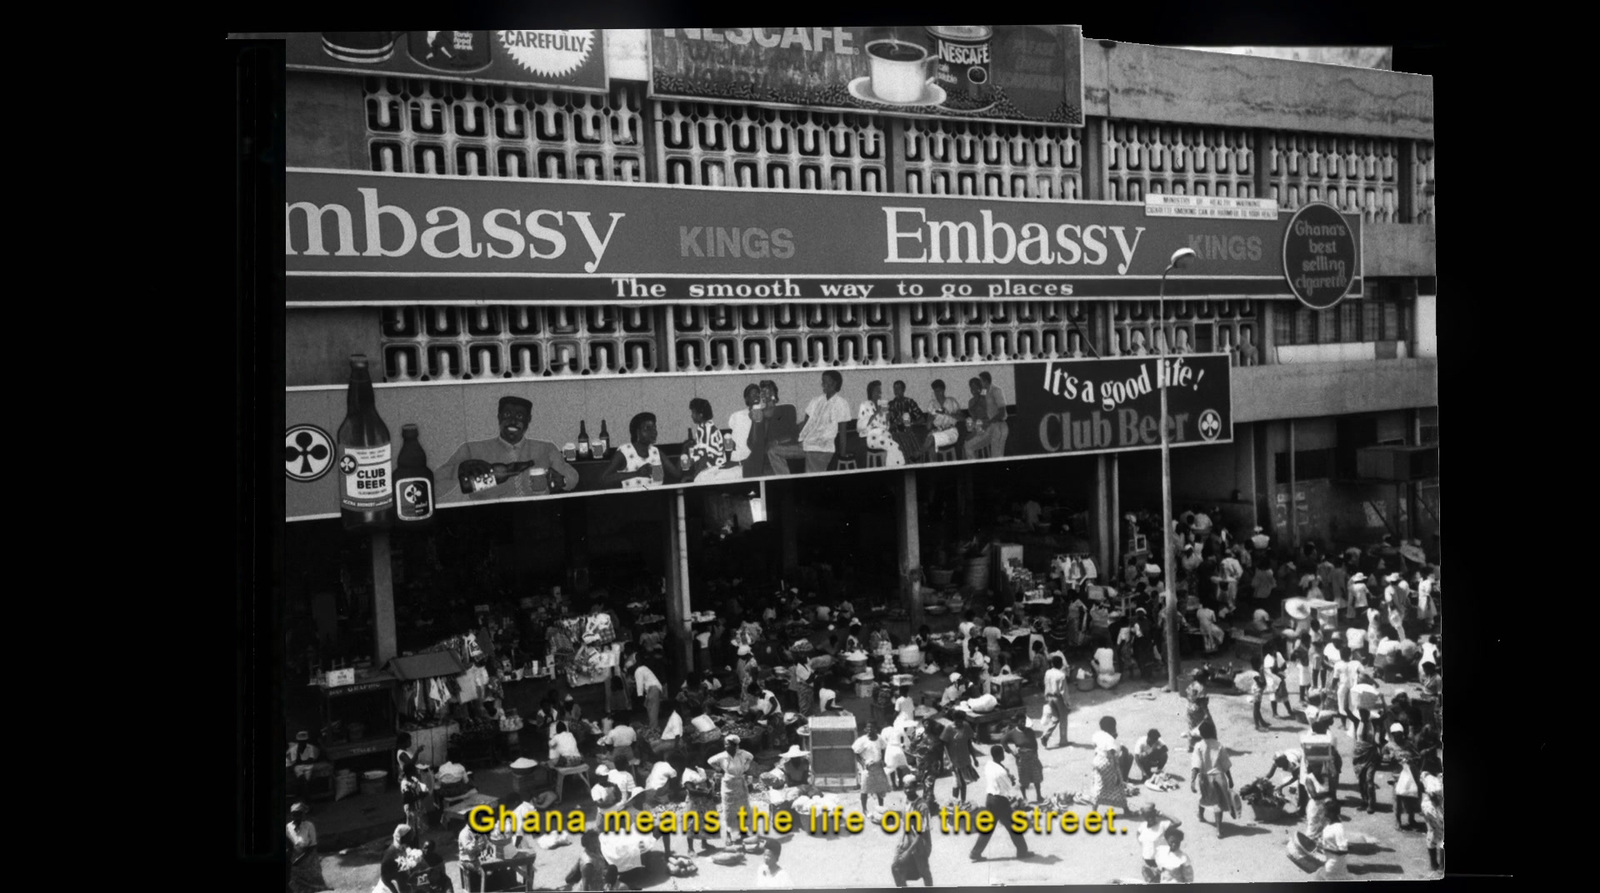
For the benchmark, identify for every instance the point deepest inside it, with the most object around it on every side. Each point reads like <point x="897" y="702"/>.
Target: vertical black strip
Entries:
<point x="259" y="345"/>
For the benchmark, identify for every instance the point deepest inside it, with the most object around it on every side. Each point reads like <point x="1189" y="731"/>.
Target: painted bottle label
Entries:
<point x="367" y="482"/>
<point x="415" y="498"/>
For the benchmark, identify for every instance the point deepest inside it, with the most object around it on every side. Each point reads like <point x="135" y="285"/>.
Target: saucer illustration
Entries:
<point x="861" y="88"/>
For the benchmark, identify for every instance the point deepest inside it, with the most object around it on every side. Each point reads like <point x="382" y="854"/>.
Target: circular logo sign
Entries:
<point x="1319" y="255"/>
<point x="1210" y="424"/>
<point x="413" y="494"/>
<point x="307" y="453"/>
<point x="549" y="53"/>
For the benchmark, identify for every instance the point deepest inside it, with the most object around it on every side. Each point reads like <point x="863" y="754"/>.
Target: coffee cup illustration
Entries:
<point x="452" y="51"/>
<point x="360" y="47"/>
<point x="899" y="70"/>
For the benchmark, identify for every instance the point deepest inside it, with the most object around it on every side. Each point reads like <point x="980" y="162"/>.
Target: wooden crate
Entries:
<point x="836" y="782"/>
<point x="1248" y="647"/>
<point x="830" y="740"/>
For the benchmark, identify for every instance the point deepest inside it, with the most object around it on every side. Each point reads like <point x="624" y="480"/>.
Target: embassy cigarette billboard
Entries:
<point x="568" y="60"/>
<point x="1053" y="407"/>
<point x="1008" y="73"/>
<point x="354" y="238"/>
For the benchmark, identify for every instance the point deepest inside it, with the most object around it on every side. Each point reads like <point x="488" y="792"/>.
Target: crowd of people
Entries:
<point x="767" y="665"/>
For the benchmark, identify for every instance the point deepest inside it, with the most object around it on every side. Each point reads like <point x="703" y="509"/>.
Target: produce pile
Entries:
<point x="1166" y="781"/>
<point x="682" y="866"/>
<point x="1261" y="792"/>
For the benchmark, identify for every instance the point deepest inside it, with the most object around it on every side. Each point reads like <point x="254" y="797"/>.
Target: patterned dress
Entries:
<point x="735" y="793"/>
<point x="873" y="423"/>
<point x="872" y="753"/>
<point x="1211" y="759"/>
<point x="1105" y="779"/>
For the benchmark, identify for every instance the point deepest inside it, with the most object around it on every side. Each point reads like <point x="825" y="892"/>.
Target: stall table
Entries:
<point x="472" y="801"/>
<point x="515" y="872"/>
<point x="369" y="701"/>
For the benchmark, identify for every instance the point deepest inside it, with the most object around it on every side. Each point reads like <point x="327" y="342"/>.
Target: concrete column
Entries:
<point x="1266" y="338"/>
<point x="384" y="639"/>
<point x="680" y="645"/>
<point x="901" y="321"/>
<point x="788" y="524"/>
<point x="1244" y="438"/>
<point x="908" y="542"/>
<point x="1294" y="506"/>
<point x="1116" y="511"/>
<point x="1265" y="476"/>
<point x="1099" y="513"/>
<point x="575" y="525"/>
<point x="1093" y="145"/>
<point x="964" y="507"/>
<point x="666" y="343"/>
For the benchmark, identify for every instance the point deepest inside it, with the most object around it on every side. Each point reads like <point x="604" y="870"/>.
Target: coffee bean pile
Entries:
<point x="999" y="105"/>
<point x="1066" y="113"/>
<point x="836" y="95"/>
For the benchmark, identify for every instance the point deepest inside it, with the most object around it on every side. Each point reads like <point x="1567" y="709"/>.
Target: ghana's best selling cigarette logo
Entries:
<point x="549" y="53"/>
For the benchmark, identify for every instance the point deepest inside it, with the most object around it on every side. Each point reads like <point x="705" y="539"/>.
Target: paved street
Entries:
<point x="1248" y="852"/>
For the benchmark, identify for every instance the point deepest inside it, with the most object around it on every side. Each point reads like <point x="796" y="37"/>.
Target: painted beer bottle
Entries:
<point x="413" y="482"/>
<point x="366" y="494"/>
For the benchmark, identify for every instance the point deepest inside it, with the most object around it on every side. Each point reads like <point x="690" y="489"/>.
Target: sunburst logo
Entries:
<point x="550" y="53"/>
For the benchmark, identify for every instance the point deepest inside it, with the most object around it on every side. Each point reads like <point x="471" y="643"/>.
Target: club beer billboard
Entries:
<point x="1055" y="407"/>
<point x="360" y="238"/>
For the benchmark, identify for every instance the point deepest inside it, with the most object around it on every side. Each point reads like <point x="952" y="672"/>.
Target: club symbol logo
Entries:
<point x="307" y="453"/>
<point x="413" y="494"/>
<point x="1210" y="424"/>
<point x="347" y="464"/>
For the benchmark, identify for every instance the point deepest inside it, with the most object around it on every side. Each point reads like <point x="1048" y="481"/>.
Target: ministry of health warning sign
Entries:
<point x="1319" y="256"/>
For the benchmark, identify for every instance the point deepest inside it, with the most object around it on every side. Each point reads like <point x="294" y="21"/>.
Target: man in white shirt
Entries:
<point x="1259" y="540"/>
<point x="302" y="755"/>
<point x="673" y="730"/>
<point x="955" y="692"/>
<point x="620" y="739"/>
<point x="649" y="688"/>
<point x="523" y="810"/>
<point x="998" y="429"/>
<point x="564" y="747"/>
<point x="655" y="784"/>
<point x="946" y="417"/>
<point x="1001" y="789"/>
<point x="1055" y="702"/>
<point x="622" y="779"/>
<point x="817" y="437"/>
<point x="1356" y="638"/>
<point x="827" y="699"/>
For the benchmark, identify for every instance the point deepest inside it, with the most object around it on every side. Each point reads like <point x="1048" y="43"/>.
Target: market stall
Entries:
<point x="358" y="728"/>
<point x="424" y="698"/>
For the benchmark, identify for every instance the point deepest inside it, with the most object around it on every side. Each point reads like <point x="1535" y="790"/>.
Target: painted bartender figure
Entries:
<point x="510" y="465"/>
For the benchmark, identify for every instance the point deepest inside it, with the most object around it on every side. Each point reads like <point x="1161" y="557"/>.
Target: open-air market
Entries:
<point x="1060" y="462"/>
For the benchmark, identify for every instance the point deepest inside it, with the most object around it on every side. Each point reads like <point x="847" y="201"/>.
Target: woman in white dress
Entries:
<point x="638" y="464"/>
<point x="872" y="420"/>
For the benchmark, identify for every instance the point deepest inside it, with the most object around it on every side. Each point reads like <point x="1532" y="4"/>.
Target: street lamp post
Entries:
<point x="1180" y="258"/>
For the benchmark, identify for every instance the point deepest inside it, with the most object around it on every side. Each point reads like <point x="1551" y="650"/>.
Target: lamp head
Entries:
<point x="1181" y="258"/>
